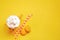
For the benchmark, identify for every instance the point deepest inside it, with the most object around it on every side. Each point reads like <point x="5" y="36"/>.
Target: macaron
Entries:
<point x="27" y="28"/>
<point x="23" y="32"/>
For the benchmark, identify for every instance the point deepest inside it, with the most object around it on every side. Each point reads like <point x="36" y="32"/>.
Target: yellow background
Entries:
<point x="45" y="22"/>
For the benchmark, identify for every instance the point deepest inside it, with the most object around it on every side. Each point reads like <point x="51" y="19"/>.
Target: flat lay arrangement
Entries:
<point x="13" y="23"/>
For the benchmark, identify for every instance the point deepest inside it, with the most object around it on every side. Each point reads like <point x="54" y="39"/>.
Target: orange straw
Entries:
<point x="22" y="26"/>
